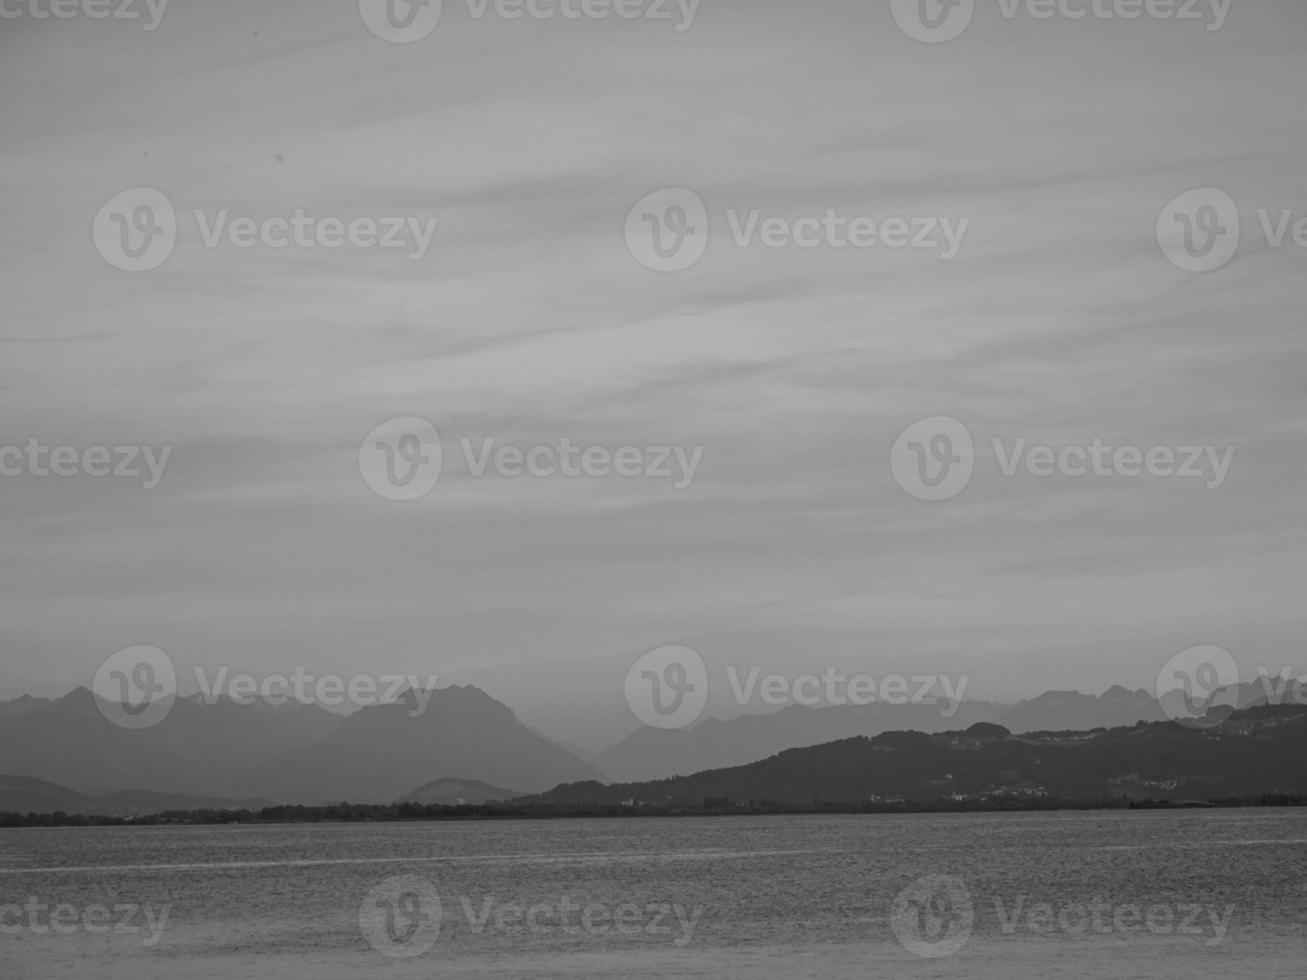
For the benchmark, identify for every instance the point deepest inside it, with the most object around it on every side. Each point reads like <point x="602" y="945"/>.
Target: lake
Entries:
<point x="1183" y="894"/>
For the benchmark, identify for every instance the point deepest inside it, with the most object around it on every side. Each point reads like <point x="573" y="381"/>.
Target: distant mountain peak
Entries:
<point x="456" y="791"/>
<point x="456" y="698"/>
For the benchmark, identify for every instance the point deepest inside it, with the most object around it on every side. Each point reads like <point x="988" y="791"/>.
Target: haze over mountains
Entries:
<point x="381" y="753"/>
<point x="465" y="744"/>
<point x="287" y="753"/>
<point x="22" y="794"/>
<point x="655" y="754"/>
<point x="200" y="749"/>
<point x="458" y="792"/>
<point x="1255" y="752"/>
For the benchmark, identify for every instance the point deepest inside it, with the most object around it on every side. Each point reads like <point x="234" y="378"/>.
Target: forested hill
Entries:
<point x="1255" y="752"/>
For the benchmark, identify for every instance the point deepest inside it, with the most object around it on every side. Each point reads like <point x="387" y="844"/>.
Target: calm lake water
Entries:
<point x="1114" y="895"/>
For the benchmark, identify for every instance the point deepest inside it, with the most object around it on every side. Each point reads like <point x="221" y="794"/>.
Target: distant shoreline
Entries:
<point x="415" y="813"/>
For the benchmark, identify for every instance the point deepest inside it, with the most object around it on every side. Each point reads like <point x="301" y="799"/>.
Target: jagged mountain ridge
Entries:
<point x="287" y="753"/>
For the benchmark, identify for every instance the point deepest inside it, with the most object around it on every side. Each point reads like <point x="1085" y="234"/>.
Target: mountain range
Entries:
<point x="382" y="752"/>
<point x="651" y="753"/>
<point x="463" y="744"/>
<point x="21" y="794"/>
<point x="1254" y="752"/>
<point x="287" y="753"/>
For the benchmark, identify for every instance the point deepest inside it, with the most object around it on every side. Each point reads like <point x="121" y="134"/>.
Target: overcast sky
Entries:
<point x="529" y="320"/>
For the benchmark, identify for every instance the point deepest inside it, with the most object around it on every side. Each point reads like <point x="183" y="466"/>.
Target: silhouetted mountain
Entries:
<point x="137" y="802"/>
<point x="1257" y="751"/>
<point x="379" y="753"/>
<point x="651" y="753"/>
<point x="21" y="794"/>
<point x="297" y="753"/>
<point x="458" y="792"/>
<point x="22" y="706"/>
<point x="1073" y="711"/>
<point x="1264" y="690"/>
<point x="201" y="749"/>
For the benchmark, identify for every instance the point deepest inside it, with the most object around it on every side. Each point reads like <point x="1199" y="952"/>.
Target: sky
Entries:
<point x="532" y="319"/>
